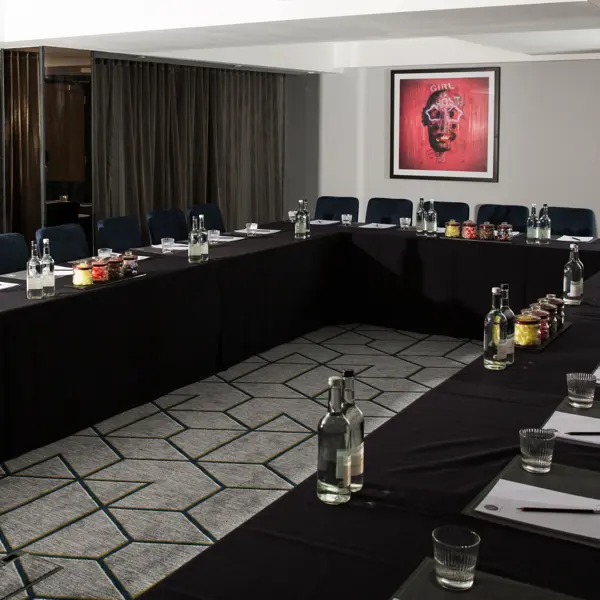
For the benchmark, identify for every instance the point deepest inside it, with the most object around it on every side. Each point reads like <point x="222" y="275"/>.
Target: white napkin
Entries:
<point x="570" y="238"/>
<point x="258" y="231"/>
<point x="378" y="226"/>
<point x="174" y="247"/>
<point x="323" y="222"/>
<point x="223" y="239"/>
<point x="5" y="286"/>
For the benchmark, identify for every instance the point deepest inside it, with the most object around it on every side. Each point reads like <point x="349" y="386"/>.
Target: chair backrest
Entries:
<point x="514" y="214"/>
<point x="13" y="252"/>
<point x="169" y="223"/>
<point x="67" y="242"/>
<point x="572" y="221"/>
<point x="388" y="210"/>
<point x="333" y="207"/>
<point x="459" y="211"/>
<point x="213" y="219"/>
<point x="119" y="233"/>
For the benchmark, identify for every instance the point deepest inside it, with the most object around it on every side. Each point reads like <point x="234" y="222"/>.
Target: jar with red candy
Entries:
<point x="551" y="309"/>
<point x="469" y="230"/>
<point x="560" y="308"/>
<point x="100" y="271"/>
<point x="544" y="315"/>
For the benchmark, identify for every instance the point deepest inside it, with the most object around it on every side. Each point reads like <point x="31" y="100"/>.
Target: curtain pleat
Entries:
<point x="168" y="136"/>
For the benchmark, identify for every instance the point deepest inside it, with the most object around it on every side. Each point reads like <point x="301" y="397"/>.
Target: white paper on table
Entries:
<point x="174" y="247"/>
<point x="441" y="230"/>
<point x="563" y="422"/>
<point x="62" y="271"/>
<point x="570" y="238"/>
<point x="142" y="257"/>
<point x="508" y="496"/>
<point x="378" y="226"/>
<point x="323" y="222"/>
<point x="5" y="286"/>
<point x="224" y="239"/>
<point x="258" y="231"/>
<point x="597" y="374"/>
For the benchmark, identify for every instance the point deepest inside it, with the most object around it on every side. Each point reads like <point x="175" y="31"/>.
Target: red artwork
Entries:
<point x="444" y="124"/>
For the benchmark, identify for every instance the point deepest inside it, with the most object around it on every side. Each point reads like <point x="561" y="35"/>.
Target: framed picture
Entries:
<point x="444" y="124"/>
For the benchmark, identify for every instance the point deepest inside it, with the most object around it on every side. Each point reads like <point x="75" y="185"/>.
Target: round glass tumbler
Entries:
<point x="537" y="448"/>
<point x="455" y="551"/>
<point x="581" y="388"/>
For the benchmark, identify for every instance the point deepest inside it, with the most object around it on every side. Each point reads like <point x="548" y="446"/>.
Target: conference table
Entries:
<point x="433" y="458"/>
<point x="86" y="355"/>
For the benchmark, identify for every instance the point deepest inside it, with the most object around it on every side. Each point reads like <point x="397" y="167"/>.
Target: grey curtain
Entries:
<point x="22" y="143"/>
<point x="173" y="136"/>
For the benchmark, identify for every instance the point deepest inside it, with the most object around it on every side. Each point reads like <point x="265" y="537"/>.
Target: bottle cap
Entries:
<point x="504" y="286"/>
<point x="496" y="290"/>
<point x="573" y="246"/>
<point x="335" y="381"/>
<point x="348" y="373"/>
<point x="46" y="241"/>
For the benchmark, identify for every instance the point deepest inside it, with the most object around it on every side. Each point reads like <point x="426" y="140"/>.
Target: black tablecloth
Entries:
<point x="86" y="355"/>
<point x="435" y="457"/>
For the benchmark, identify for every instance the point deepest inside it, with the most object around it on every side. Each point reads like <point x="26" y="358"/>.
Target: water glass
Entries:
<point x="167" y="245"/>
<point x="537" y="447"/>
<point x="405" y="222"/>
<point x="104" y="253"/>
<point x="581" y="388"/>
<point x="251" y="229"/>
<point x="292" y="215"/>
<point x="346" y="220"/>
<point x="455" y="551"/>
<point x="213" y="236"/>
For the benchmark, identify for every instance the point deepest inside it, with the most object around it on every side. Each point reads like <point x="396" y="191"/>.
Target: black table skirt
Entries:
<point x="435" y="457"/>
<point x="87" y="355"/>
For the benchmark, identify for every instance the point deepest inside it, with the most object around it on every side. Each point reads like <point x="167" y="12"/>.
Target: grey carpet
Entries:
<point x="123" y="504"/>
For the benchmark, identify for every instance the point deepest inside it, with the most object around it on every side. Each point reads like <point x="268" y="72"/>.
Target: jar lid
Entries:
<point x="543" y="314"/>
<point x="487" y="225"/>
<point x="115" y="260"/>
<point x="83" y="266"/>
<point x="469" y="223"/>
<point x="551" y="308"/>
<point x="451" y="222"/>
<point x="99" y="263"/>
<point x="554" y="300"/>
<point x="528" y="320"/>
<point x="129" y="257"/>
<point x="505" y="226"/>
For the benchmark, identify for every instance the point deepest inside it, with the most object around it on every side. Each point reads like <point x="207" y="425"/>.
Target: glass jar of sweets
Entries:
<point x="130" y="264"/>
<point x="549" y="308"/>
<point x="99" y="271"/>
<point x="486" y="231"/>
<point x="452" y="229"/>
<point x="82" y="274"/>
<point x="115" y="269"/>
<point x="469" y="230"/>
<point x="544" y="315"/>
<point x="560" y="308"/>
<point x="504" y="232"/>
<point x="527" y="330"/>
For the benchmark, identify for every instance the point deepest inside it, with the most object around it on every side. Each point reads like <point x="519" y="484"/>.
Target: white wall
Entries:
<point x="549" y="139"/>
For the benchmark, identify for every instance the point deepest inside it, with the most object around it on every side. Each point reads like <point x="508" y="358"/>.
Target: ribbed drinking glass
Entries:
<point x="455" y="551"/>
<point x="537" y="448"/>
<point x="581" y="388"/>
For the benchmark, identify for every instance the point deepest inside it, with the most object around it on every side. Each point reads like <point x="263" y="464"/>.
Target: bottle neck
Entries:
<point x="335" y="399"/>
<point x="34" y="250"/>
<point x="575" y="255"/>
<point x="504" y="299"/>
<point x="46" y="250"/>
<point x="496" y="301"/>
<point x="348" y="390"/>
<point x="201" y="222"/>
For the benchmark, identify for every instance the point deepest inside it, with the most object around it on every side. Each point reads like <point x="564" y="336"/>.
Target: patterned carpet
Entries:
<point x="122" y="504"/>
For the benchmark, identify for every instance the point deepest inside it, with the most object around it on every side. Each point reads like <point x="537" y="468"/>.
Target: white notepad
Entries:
<point x="564" y="422"/>
<point x="258" y="231"/>
<point x="6" y="286"/>
<point x="506" y="497"/>
<point x="576" y="239"/>
<point x="222" y="239"/>
<point x="378" y="226"/>
<point x="323" y="222"/>
<point x="174" y="247"/>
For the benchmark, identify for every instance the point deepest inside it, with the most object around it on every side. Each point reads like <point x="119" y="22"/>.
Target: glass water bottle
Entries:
<point x="495" y="335"/>
<point x="35" y="290"/>
<point x="431" y="221"/>
<point x="573" y="278"/>
<point x="334" y="459"/>
<point x="48" y="278"/>
<point x="545" y="225"/>
<point x="357" y="432"/>
<point x="533" y="227"/>
<point x="420" y="220"/>
<point x="194" y="252"/>
<point x="510" y="324"/>
<point x="302" y="222"/>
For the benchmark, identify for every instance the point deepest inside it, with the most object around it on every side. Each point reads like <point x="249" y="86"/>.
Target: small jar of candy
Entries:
<point x="452" y="229"/>
<point x="82" y="274"/>
<point x="504" y="232"/>
<point x="544" y="315"/>
<point x="560" y="308"/>
<point x="469" y="230"/>
<point x="551" y="309"/>
<point x="527" y="330"/>
<point x="486" y="231"/>
<point x="99" y="271"/>
<point x="115" y="269"/>
<point x="130" y="264"/>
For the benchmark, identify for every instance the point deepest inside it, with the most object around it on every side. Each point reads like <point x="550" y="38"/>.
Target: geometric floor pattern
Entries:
<point x="123" y="504"/>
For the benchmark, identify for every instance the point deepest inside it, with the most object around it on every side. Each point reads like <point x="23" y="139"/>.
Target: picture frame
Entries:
<point x="444" y="124"/>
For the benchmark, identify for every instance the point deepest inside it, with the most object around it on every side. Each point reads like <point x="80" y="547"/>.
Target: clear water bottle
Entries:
<point x="573" y="278"/>
<point x="302" y="221"/>
<point x="420" y="218"/>
<point x="495" y="335"/>
<point x="357" y="432"/>
<point x="334" y="458"/>
<point x="194" y="244"/>
<point x="545" y="225"/>
<point x="533" y="227"/>
<point x="431" y="221"/>
<point x="510" y="324"/>
<point x="35" y="290"/>
<point x="48" y="279"/>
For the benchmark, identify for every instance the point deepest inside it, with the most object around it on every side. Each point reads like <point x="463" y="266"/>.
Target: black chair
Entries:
<point x="13" y="252"/>
<point x="572" y="221"/>
<point x="67" y="242"/>
<point x="169" y="223"/>
<point x="388" y="210"/>
<point x="514" y="214"/>
<point x="213" y="219"/>
<point x="459" y="211"/>
<point x="332" y="208"/>
<point x="119" y="233"/>
<point x="60" y="213"/>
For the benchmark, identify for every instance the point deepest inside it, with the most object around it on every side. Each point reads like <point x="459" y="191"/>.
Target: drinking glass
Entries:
<point x="251" y="228"/>
<point x="104" y="253"/>
<point x="455" y="551"/>
<point x="346" y="220"/>
<point x="581" y="388"/>
<point x="213" y="236"/>
<point x="167" y="245"/>
<point x="405" y="222"/>
<point x="537" y="447"/>
<point x="292" y="215"/>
